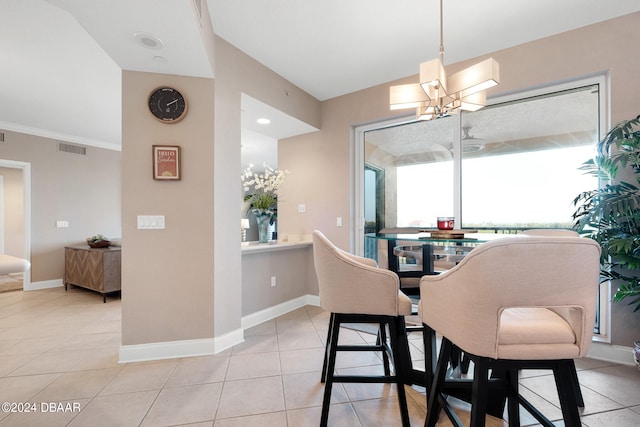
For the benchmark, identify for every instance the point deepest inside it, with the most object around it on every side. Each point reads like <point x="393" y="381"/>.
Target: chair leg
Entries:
<point x="430" y="354"/>
<point x="576" y="384"/>
<point x="480" y="392"/>
<point x="395" y="326"/>
<point x="326" y="348"/>
<point x="332" y="343"/>
<point x="464" y="364"/>
<point x="433" y="393"/>
<point x="396" y="332"/>
<point x="565" y="384"/>
<point x="382" y="341"/>
<point x="512" y="396"/>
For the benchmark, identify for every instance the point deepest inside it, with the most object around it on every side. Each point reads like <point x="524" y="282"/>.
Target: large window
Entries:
<point x="509" y="166"/>
<point x="521" y="159"/>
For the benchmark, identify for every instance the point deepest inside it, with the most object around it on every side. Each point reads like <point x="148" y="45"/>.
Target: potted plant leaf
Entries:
<point x="611" y="214"/>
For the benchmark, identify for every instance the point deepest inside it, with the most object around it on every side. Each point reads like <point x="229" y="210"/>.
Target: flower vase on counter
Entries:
<point x="263" y="218"/>
<point x="261" y="193"/>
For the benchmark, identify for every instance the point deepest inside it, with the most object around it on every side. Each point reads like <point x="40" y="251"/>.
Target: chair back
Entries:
<point x="551" y="232"/>
<point x="351" y="284"/>
<point x="558" y="273"/>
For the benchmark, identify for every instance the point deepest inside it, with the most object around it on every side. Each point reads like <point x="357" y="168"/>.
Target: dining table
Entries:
<point x="413" y="255"/>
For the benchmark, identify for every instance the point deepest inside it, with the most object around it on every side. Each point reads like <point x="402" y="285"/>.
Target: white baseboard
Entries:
<point x="611" y="353"/>
<point x="278" y="310"/>
<point x="45" y="284"/>
<point x="209" y="346"/>
<point x="228" y="340"/>
<point x="166" y="350"/>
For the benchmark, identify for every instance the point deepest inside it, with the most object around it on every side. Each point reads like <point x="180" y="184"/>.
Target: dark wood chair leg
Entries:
<point x="480" y="392"/>
<point x="332" y="343"/>
<point x="566" y="392"/>
<point x="433" y="394"/>
<point x="513" y="404"/>
<point x="430" y="355"/>
<point x="395" y="331"/>
<point x="382" y="341"/>
<point x="464" y="364"/>
<point x="576" y="384"/>
<point x="326" y="349"/>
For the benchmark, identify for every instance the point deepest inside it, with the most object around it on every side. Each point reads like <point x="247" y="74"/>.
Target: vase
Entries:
<point x="263" y="217"/>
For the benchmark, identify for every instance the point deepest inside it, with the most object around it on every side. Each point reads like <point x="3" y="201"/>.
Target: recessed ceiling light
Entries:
<point x="160" y="59"/>
<point x="263" y="121"/>
<point x="148" y="40"/>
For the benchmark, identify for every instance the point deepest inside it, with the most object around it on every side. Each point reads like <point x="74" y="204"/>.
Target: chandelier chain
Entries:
<point x="441" y="36"/>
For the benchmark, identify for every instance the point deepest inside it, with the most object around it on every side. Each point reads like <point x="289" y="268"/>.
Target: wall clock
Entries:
<point x="167" y="105"/>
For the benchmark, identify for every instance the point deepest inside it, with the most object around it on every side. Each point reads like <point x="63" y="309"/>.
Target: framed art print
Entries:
<point x="166" y="162"/>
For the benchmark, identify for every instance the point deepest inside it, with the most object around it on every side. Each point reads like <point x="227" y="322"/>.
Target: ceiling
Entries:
<point x="62" y="59"/>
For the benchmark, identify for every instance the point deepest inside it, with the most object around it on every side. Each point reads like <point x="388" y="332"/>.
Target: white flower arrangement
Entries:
<point x="262" y="188"/>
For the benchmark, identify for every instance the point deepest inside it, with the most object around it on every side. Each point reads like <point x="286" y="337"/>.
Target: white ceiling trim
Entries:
<point x="46" y="133"/>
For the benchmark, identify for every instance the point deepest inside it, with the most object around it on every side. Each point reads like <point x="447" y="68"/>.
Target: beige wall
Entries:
<point x="322" y="161"/>
<point x="84" y="190"/>
<point x="294" y="272"/>
<point x="184" y="282"/>
<point x="167" y="275"/>
<point x="237" y="73"/>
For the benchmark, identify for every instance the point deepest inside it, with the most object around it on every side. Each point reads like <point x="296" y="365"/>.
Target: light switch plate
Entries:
<point x="150" y="222"/>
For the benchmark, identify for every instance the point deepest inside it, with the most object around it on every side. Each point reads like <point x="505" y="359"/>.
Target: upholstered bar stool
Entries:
<point x="522" y="302"/>
<point x="354" y="290"/>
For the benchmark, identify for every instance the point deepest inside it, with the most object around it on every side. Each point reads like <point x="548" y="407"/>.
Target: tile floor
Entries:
<point x="59" y="351"/>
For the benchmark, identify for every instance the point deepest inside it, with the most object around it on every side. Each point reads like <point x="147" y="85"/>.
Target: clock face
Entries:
<point x="167" y="105"/>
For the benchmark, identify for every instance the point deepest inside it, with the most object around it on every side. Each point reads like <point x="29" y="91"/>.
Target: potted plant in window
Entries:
<point x="611" y="214"/>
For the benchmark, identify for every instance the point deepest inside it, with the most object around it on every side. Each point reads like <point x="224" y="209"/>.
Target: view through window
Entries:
<point x="516" y="165"/>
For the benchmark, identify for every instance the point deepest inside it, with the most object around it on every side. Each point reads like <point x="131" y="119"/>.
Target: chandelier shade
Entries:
<point x="407" y="96"/>
<point x="435" y="95"/>
<point x="432" y="76"/>
<point x="476" y="78"/>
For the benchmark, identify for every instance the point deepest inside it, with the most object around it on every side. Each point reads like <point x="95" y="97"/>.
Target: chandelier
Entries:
<point x="438" y="96"/>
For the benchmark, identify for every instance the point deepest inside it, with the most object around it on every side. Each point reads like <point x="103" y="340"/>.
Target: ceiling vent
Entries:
<point x="74" y="149"/>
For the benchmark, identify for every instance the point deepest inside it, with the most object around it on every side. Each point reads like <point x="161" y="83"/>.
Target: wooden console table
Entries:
<point x="97" y="269"/>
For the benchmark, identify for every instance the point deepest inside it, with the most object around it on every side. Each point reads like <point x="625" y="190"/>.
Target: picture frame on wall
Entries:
<point x="166" y="163"/>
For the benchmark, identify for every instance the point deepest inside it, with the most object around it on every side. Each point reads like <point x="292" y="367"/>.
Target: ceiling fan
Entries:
<point x="470" y="144"/>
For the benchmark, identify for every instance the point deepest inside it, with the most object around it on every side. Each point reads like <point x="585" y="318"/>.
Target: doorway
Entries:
<point x="16" y="212"/>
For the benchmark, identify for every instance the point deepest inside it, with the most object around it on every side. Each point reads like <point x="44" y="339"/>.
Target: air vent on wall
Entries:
<point x="69" y="148"/>
<point x="1" y="136"/>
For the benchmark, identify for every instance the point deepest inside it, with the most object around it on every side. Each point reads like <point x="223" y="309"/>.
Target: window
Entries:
<point x="417" y="161"/>
<point x="509" y="166"/>
<point x="521" y="159"/>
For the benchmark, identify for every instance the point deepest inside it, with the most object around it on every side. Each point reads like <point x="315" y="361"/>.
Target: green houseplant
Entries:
<point x="611" y="214"/>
